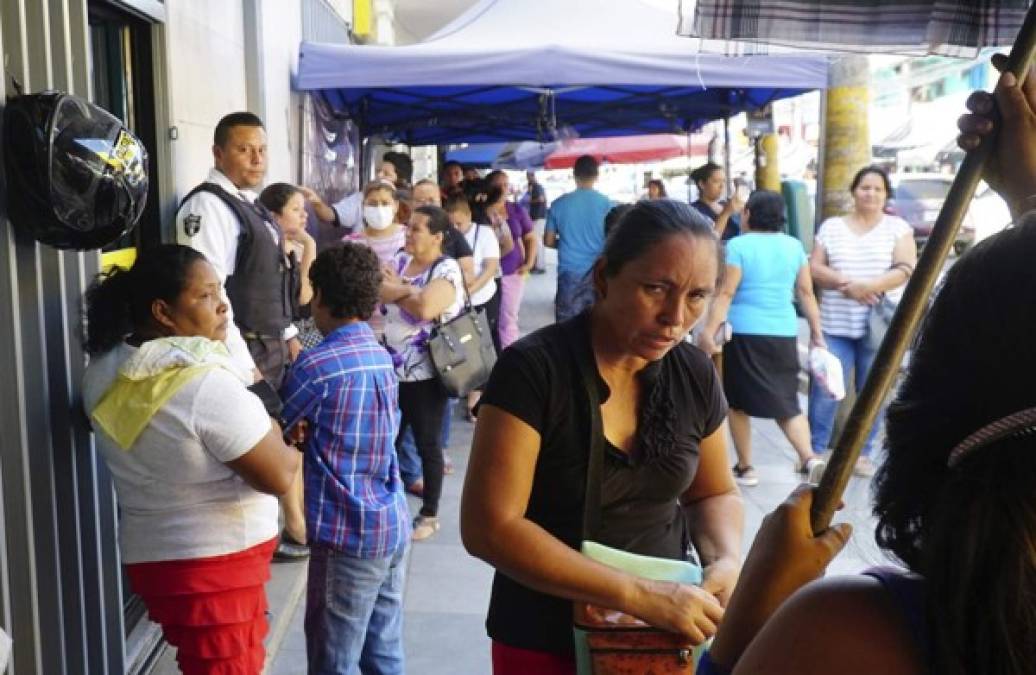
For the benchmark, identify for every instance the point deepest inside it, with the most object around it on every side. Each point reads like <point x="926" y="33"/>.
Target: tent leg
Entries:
<point x="726" y="156"/>
<point x="912" y="306"/>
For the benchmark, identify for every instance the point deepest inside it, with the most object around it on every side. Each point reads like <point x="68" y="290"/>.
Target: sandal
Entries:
<point x="424" y="527"/>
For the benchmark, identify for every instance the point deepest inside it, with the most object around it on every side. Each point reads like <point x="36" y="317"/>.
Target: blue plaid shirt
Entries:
<point x="346" y="388"/>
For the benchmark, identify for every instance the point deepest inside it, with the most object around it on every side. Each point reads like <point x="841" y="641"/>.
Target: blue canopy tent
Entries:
<point x="481" y="155"/>
<point x="514" y="155"/>
<point x="513" y="70"/>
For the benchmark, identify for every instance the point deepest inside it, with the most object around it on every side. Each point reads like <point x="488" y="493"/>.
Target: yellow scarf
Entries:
<point x="149" y="378"/>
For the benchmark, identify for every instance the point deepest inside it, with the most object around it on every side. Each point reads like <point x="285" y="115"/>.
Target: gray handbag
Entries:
<point x="462" y="349"/>
<point x="878" y="320"/>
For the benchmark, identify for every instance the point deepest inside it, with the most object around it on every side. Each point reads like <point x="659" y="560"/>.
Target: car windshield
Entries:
<point x="922" y="189"/>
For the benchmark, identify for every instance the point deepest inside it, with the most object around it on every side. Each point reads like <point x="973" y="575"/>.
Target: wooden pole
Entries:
<point x="912" y="306"/>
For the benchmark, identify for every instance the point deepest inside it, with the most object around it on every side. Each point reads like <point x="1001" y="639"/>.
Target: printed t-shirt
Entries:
<point x="406" y="336"/>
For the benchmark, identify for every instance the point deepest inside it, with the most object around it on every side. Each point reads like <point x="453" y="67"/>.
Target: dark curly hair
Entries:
<point x="347" y="277"/>
<point x="119" y="301"/>
<point x="970" y="531"/>
<point x="645" y="225"/>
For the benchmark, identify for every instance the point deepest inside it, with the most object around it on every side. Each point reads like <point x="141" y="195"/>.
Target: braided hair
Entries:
<point x="644" y="226"/>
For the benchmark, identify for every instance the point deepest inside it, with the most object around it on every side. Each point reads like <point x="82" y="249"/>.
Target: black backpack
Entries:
<point x="76" y="177"/>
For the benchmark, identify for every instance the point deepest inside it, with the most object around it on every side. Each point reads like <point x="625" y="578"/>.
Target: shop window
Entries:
<point x="121" y="72"/>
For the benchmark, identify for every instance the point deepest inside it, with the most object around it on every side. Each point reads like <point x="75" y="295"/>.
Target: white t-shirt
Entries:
<point x="350" y="212"/>
<point x="177" y="498"/>
<point x="484" y="246"/>
<point x="406" y="337"/>
<point x="857" y="257"/>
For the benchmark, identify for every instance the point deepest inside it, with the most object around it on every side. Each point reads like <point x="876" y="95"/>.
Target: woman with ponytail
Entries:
<point x="194" y="456"/>
<point x="665" y="492"/>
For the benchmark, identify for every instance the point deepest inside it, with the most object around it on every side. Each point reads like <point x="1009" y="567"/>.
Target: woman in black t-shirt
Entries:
<point x="665" y="484"/>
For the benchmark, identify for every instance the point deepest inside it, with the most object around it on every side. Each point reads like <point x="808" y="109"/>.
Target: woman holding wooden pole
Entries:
<point x="954" y="497"/>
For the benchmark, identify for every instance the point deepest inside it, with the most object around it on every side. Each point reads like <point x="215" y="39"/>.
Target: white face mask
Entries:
<point x="378" y="217"/>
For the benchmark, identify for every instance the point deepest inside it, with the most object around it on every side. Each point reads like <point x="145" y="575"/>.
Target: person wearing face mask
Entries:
<point x="396" y="168"/>
<point x="381" y="232"/>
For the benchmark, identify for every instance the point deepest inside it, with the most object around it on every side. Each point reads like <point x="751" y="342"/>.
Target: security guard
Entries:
<point x="223" y="219"/>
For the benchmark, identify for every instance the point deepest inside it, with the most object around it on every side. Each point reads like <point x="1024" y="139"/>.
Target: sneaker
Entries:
<point x="813" y="469"/>
<point x="447" y="466"/>
<point x="288" y="549"/>
<point x="864" y="467"/>
<point x="745" y="475"/>
<point x="424" y="527"/>
<point x="416" y="488"/>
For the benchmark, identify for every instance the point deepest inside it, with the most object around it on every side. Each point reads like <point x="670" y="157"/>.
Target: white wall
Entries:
<point x="207" y="75"/>
<point x="282" y="32"/>
<point x="206" y="57"/>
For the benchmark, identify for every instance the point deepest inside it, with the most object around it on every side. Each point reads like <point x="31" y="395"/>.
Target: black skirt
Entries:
<point x="761" y="375"/>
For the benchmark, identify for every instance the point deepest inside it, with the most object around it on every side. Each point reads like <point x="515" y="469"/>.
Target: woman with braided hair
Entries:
<point x="665" y="489"/>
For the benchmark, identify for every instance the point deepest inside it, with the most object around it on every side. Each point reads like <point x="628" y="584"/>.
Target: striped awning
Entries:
<point x="945" y="27"/>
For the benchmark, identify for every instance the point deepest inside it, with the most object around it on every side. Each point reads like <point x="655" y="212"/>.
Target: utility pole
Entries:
<point x="767" y="173"/>
<point x="846" y="136"/>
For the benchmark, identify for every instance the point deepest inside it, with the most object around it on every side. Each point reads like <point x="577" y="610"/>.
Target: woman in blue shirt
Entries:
<point x="765" y="270"/>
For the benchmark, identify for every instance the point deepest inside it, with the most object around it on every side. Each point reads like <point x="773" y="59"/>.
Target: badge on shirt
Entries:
<point x="192" y="224"/>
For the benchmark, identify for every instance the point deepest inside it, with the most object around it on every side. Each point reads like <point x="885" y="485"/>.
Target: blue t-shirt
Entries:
<point x="769" y="263"/>
<point x="578" y="219"/>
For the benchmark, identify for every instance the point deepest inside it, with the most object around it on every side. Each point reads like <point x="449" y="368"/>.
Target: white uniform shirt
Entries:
<point x="350" y="212"/>
<point x="207" y="224"/>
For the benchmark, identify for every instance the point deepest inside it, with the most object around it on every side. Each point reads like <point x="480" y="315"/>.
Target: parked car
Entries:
<point x="918" y="197"/>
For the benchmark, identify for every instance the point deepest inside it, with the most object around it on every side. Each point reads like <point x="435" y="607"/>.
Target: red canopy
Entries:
<point x="626" y="149"/>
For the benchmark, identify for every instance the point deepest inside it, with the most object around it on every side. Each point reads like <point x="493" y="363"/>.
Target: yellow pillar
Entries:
<point x="846" y="141"/>
<point x="767" y="172"/>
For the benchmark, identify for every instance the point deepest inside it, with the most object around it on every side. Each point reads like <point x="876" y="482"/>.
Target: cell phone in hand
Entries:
<point x="743" y="193"/>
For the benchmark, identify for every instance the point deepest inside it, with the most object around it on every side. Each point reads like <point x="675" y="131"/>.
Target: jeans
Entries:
<point x="575" y="293"/>
<point x="354" y="613"/>
<point x="855" y="356"/>
<point x="409" y="461"/>
<point x="423" y="405"/>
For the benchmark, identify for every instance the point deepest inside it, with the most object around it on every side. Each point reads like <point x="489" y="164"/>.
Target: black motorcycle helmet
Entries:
<point x="76" y="177"/>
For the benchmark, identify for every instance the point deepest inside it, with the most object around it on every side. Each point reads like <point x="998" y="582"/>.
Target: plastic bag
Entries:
<point x="827" y="369"/>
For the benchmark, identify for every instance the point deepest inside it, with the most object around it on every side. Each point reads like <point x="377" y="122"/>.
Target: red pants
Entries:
<point x="213" y="610"/>
<point x="514" y="661"/>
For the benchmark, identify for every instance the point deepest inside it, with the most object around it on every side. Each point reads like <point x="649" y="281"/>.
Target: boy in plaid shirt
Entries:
<point x="345" y="394"/>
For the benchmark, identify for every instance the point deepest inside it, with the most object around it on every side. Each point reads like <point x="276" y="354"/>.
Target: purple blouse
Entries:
<point x="520" y="224"/>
